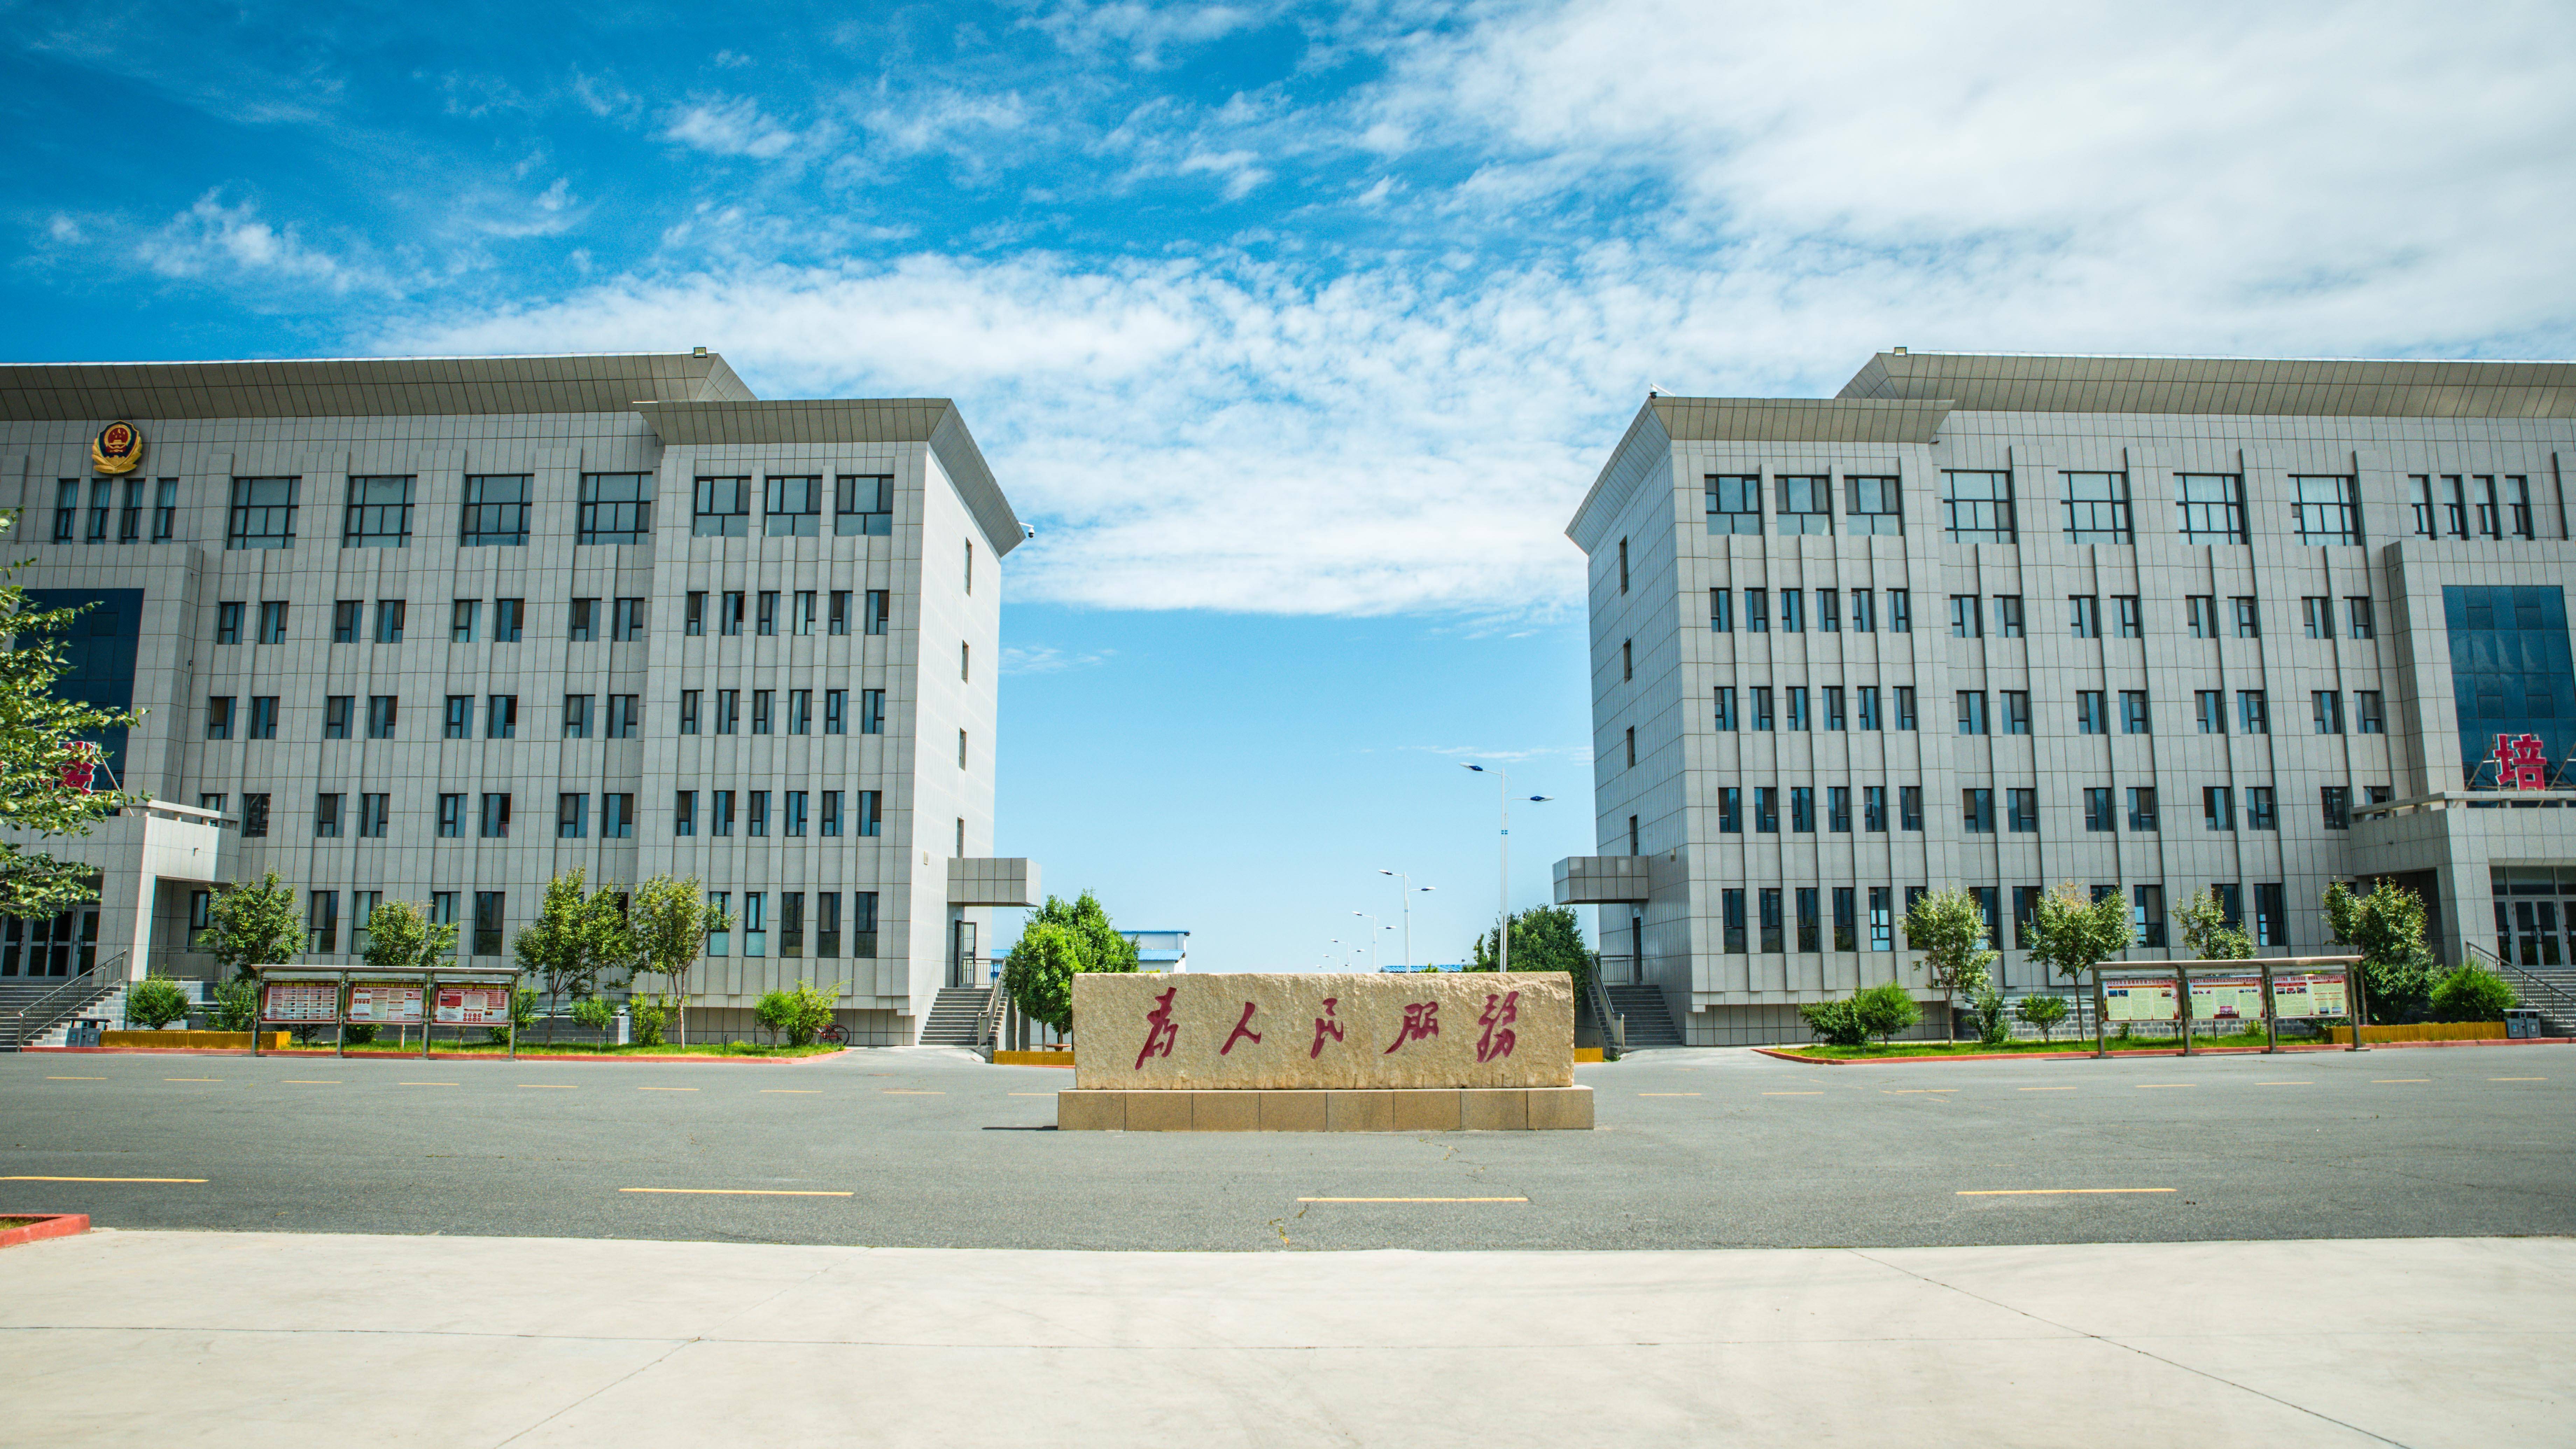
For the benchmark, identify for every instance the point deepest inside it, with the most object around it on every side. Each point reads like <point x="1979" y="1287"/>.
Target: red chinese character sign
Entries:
<point x="2522" y="763"/>
<point x="1313" y="1030"/>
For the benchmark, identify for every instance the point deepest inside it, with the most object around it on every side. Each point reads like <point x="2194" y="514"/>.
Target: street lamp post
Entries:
<point x="1503" y="919"/>
<point x="1409" y="889"/>
<point x="1374" y="928"/>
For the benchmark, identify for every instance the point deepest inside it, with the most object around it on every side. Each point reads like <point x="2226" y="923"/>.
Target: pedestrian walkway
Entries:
<point x="266" y="1339"/>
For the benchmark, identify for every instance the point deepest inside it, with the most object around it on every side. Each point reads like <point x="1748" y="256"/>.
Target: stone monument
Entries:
<point x="1314" y="1052"/>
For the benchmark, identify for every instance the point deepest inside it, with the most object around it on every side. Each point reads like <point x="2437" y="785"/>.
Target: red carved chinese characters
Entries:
<point x="2521" y="763"/>
<point x="1242" y="1030"/>
<point x="1421" y="1019"/>
<point x="1498" y="1040"/>
<point x="1325" y="1025"/>
<point x="1160" y="1033"/>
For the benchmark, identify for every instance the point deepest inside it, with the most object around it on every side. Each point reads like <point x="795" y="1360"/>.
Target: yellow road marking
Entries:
<point x="2057" y="1191"/>
<point x="549" y="1086"/>
<point x="192" y="1079"/>
<point x="1668" y="1094"/>
<point x="1793" y="1094"/>
<point x="2491" y="1079"/>
<point x="2397" y="1081"/>
<point x="102" y="1079"/>
<point x="1413" y="1199"/>
<point x="791" y="1091"/>
<point x="733" y="1192"/>
<point x="2043" y="1089"/>
<point x="666" y="1089"/>
<point x="32" y="1179"/>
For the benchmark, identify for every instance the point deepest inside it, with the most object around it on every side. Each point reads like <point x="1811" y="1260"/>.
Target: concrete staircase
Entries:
<point x="1650" y="1022"/>
<point x="2551" y="991"/>
<point x="40" y="1010"/>
<point x="953" y="1014"/>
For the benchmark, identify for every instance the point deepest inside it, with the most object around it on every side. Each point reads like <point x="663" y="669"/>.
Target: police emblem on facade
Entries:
<point x="117" y="448"/>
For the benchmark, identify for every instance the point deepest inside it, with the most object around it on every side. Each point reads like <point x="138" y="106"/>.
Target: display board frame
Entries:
<point x="460" y="997"/>
<point x="2218" y="990"/>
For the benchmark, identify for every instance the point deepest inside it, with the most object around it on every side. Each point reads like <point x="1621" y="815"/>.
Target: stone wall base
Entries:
<point x="1469" y="1109"/>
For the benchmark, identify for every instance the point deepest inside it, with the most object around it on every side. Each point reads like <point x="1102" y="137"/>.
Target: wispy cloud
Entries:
<point x="729" y="127"/>
<point x="211" y="238"/>
<point x="1047" y="659"/>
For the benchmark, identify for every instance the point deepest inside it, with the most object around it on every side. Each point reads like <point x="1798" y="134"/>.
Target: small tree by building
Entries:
<point x="576" y="936"/>
<point x="252" y="925"/>
<point x="2072" y="933"/>
<point x="1039" y="972"/>
<point x="2206" y="934"/>
<point x="2386" y="929"/>
<point x="402" y="938"/>
<point x="2043" y="1012"/>
<point x="1885" y="1009"/>
<point x="1950" y="929"/>
<point x="1544" y="938"/>
<point x="155" y="1002"/>
<point x="669" y="922"/>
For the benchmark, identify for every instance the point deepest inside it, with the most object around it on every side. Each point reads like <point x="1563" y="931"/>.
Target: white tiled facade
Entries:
<point x="1660" y="660"/>
<point x="675" y="418"/>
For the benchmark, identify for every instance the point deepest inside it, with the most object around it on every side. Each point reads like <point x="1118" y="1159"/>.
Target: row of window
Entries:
<point x="615" y="508"/>
<point x="616" y="815"/>
<point x="322" y="921"/>
<point x="1978" y="506"/>
<point x="2444" y="505"/>
<point x="621" y="720"/>
<point x="73" y="524"/>
<point x="2021" y="808"/>
<point x="2201" y="615"/>
<point x="755" y="818"/>
<point x="1828" y="616"/>
<point x="2146" y="914"/>
<point x="584" y="619"/>
<point x="2326" y="711"/>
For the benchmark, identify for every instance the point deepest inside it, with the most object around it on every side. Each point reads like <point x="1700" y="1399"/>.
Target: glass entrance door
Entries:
<point x="961" y="955"/>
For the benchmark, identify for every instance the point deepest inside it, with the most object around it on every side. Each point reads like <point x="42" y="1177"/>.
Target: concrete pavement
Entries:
<point x="152" y="1338"/>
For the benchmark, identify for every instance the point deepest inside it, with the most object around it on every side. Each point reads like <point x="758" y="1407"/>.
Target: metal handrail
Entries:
<point x="988" y="1022"/>
<point x="2566" y="1001"/>
<point x="1612" y="1043"/>
<point x="73" y="987"/>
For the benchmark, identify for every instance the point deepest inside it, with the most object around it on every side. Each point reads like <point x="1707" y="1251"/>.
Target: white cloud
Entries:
<point x="1047" y="659"/>
<point x="734" y="127"/>
<point x="233" y="243"/>
<point x="1241" y="170"/>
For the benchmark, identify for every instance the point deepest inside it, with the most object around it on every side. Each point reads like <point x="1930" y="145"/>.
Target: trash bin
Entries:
<point x="84" y="1033"/>
<point x="2521" y="1021"/>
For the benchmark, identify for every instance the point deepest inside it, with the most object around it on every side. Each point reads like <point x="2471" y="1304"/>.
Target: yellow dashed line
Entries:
<point x="102" y="1079"/>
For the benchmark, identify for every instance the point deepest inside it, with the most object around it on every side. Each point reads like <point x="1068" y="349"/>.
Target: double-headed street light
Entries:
<point x="1503" y="917"/>
<point x="1409" y="889"/>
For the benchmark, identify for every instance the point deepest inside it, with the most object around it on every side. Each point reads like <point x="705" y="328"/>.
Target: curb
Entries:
<point x="415" y="1056"/>
<point x="2175" y="1053"/>
<point x="53" y="1225"/>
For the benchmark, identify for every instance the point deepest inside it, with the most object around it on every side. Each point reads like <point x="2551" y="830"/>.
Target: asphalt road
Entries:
<point x="1696" y="1149"/>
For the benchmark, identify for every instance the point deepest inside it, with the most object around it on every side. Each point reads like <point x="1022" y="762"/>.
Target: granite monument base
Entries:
<point x="1361" y="1109"/>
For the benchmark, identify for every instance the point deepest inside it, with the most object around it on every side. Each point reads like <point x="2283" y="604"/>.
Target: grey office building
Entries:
<point x="2149" y="625"/>
<point x="441" y="629"/>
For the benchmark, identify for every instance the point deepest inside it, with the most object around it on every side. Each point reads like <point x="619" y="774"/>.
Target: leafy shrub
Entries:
<point x="362" y="1033"/>
<point x="1835" y="1023"/>
<point x="596" y="1014"/>
<point x="646" y="1016"/>
<point x="2043" y="1012"/>
<point x="1986" y="1007"/>
<point x="2472" y="993"/>
<point x="802" y="1012"/>
<point x="236" y="1005"/>
<point x="155" y="1003"/>
<point x="1886" y="1009"/>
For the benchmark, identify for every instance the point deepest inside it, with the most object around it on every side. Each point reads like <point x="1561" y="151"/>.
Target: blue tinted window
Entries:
<point x="2510" y="671"/>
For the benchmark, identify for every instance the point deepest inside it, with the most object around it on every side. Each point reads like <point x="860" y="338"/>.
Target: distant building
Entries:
<point x="1161" y="950"/>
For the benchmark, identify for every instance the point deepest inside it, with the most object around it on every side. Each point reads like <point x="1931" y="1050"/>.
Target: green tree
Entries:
<point x="402" y="938"/>
<point x="1039" y="972"/>
<point x="2472" y="993"/>
<point x="50" y="749"/>
<point x="1836" y="1023"/>
<point x="1062" y="941"/>
<point x="252" y="925"/>
<point x="2205" y="931"/>
<point x="669" y="921"/>
<point x="2043" y="1012"/>
<point x="2073" y="933"/>
<point x="1949" y="928"/>
<point x="236" y="1006"/>
<point x="155" y="1002"/>
<point x="1544" y="938"/>
<point x="2386" y="929"/>
<point x="576" y="936"/>
<point x="800" y="1012"/>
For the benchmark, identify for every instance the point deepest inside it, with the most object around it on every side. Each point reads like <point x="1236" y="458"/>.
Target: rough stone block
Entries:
<point x="1225" y="1111"/>
<point x="1560" y="1109"/>
<point x="1291" y="1111"/>
<point x="1158" y="1111"/>
<point x="1359" y="1111"/>
<point x="1091" y="1111"/>
<point x="1493" y="1109"/>
<point x="1426" y="1111"/>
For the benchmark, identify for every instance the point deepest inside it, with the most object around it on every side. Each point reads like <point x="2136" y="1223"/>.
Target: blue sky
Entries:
<point x="1297" y="330"/>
